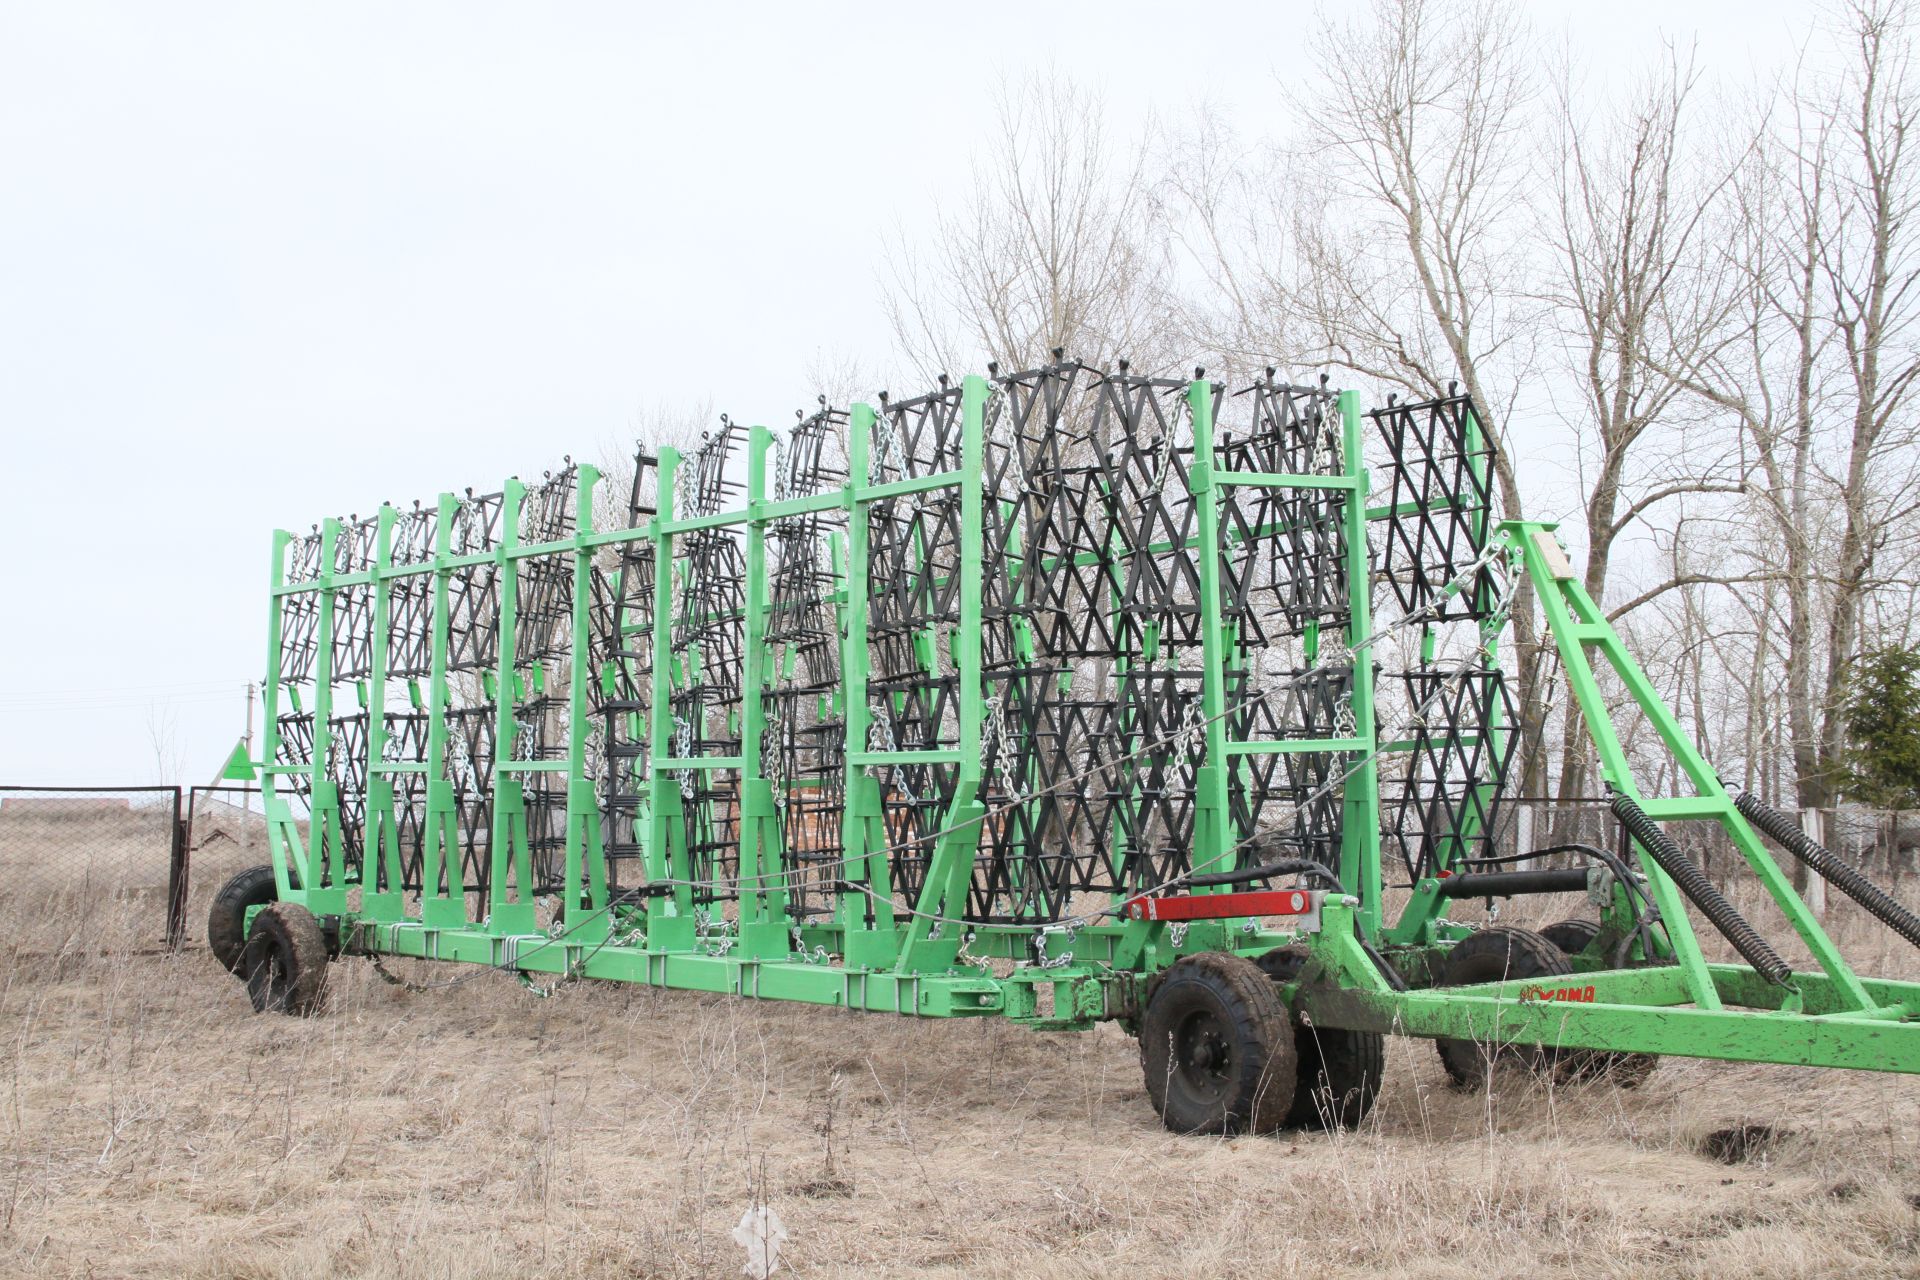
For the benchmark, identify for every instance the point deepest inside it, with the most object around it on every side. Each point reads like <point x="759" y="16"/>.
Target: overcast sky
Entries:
<point x="261" y="263"/>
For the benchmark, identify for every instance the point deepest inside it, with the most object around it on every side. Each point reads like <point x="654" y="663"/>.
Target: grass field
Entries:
<point x="155" y="1126"/>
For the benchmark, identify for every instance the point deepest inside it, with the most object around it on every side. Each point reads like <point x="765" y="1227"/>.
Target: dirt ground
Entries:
<point x="154" y="1126"/>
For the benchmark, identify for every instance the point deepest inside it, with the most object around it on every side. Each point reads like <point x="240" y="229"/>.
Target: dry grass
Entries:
<point x="154" y="1126"/>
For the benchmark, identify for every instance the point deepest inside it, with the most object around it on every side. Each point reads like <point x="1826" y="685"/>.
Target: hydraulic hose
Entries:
<point x="1842" y="875"/>
<point x="1693" y="882"/>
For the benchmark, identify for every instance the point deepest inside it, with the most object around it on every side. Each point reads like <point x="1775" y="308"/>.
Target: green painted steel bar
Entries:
<point x="1213" y="843"/>
<point x="1297" y="746"/>
<point x="881" y="991"/>
<point x="443" y="899"/>
<point x="1593" y="709"/>
<point x="282" y="834"/>
<point x="866" y="911"/>
<point x="1566" y="601"/>
<point x="324" y="869"/>
<point x="584" y="862"/>
<point x="1569" y="601"/>
<point x="763" y="896"/>
<point x="1288" y="480"/>
<point x="943" y="896"/>
<point x="670" y="922"/>
<point x="381" y="859"/>
<point x="1360" y="794"/>
<point x="509" y="877"/>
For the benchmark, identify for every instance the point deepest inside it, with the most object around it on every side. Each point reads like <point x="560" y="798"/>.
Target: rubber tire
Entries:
<point x="227" y="920"/>
<point x="1497" y="954"/>
<point x="1627" y="1070"/>
<point x="1340" y="1070"/>
<point x="1572" y="936"/>
<point x="286" y="961"/>
<point x="1250" y="1091"/>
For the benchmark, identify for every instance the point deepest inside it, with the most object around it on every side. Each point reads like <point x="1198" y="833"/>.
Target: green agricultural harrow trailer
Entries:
<point x="1059" y="696"/>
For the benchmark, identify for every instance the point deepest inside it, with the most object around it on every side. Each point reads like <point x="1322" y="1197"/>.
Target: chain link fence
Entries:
<point x="92" y="868"/>
<point x="226" y="833"/>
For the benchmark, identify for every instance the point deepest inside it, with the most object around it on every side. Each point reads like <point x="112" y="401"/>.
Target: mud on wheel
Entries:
<point x="1624" y="1069"/>
<point x="1497" y="954"/>
<point x="1340" y="1071"/>
<point x="227" y="920"/>
<point x="1217" y="1047"/>
<point x="285" y="962"/>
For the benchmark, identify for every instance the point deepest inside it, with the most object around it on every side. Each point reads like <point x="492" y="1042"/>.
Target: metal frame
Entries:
<point x="972" y="533"/>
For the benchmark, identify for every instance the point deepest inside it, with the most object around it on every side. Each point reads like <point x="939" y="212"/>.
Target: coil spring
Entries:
<point x="1693" y="882"/>
<point x="1841" y="875"/>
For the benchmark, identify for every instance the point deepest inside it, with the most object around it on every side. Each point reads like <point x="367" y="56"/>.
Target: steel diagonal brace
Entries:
<point x="1578" y="626"/>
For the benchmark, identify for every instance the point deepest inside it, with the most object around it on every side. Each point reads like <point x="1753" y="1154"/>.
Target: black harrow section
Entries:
<point x="1094" y="647"/>
<point x="1440" y="806"/>
<point x="1841" y="874"/>
<point x="1439" y="502"/>
<point x="1693" y="882"/>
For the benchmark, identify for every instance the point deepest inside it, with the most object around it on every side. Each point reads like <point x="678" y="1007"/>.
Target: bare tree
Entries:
<point x="1872" y="269"/>
<point x="1406" y="222"/>
<point x="1055" y="246"/>
<point x="660" y="425"/>
<point x="1815" y="362"/>
<point x="1639" y="293"/>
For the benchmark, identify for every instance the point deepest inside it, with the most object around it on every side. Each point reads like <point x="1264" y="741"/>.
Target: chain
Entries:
<point x="888" y="447"/>
<point x="683" y="747"/>
<point x="996" y="749"/>
<point x="782" y="482"/>
<point x="964" y="956"/>
<point x="881" y="723"/>
<point x="1067" y="931"/>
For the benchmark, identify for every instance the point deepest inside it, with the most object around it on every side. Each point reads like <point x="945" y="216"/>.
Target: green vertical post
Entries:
<point x="670" y="923"/>
<point x="943" y="898"/>
<point x="509" y="895"/>
<point x="1360" y="796"/>
<point x="866" y="916"/>
<point x="444" y="908"/>
<point x="282" y="833"/>
<point x="380" y="841"/>
<point x="763" y="895"/>
<point x="585" y="858"/>
<point x="1213" y="835"/>
<point x="324" y="873"/>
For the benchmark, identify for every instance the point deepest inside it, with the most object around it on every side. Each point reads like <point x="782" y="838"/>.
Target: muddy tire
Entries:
<point x="1624" y="1069"/>
<point x="227" y="920"/>
<point x="1340" y="1071"/>
<point x="1572" y="936"/>
<point x="1496" y="955"/>
<point x="1217" y="1047"/>
<point x="286" y="961"/>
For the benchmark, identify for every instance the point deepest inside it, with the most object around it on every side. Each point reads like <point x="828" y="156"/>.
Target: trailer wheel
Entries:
<point x="1340" y="1070"/>
<point x="1494" y="955"/>
<point x="1627" y="1070"/>
<point x="1217" y="1048"/>
<point x="1572" y="936"/>
<point x="1624" y="1070"/>
<point x="227" y="921"/>
<point x="286" y="960"/>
